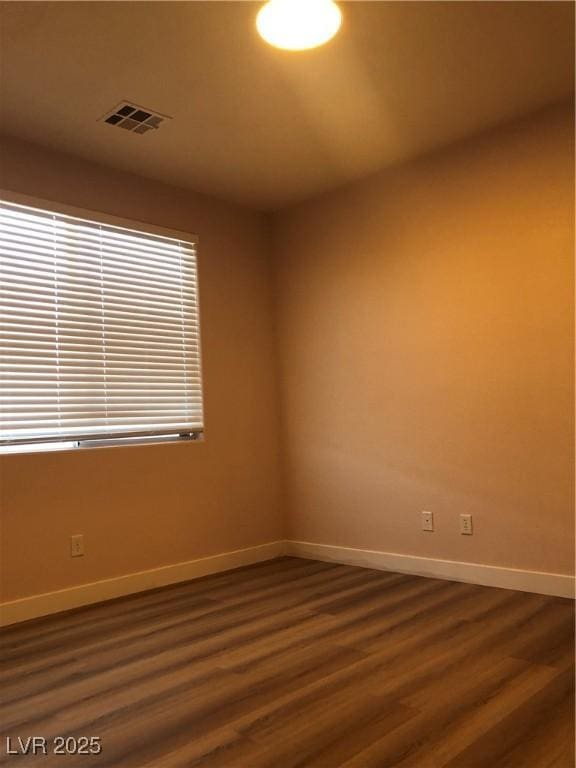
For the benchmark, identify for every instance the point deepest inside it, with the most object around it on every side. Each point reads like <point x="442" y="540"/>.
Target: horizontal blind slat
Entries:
<point x="73" y="264"/>
<point x="35" y="327"/>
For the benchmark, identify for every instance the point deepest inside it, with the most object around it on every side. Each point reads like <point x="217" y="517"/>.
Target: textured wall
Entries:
<point x="427" y="343"/>
<point x="144" y="507"/>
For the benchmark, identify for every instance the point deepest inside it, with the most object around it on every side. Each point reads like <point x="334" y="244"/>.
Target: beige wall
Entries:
<point x="144" y="507"/>
<point x="426" y="333"/>
<point x="425" y="336"/>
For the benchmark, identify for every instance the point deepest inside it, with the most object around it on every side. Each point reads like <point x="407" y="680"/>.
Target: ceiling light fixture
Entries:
<point x="297" y="25"/>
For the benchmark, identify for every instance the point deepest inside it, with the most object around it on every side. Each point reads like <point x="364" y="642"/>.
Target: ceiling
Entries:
<point x="265" y="127"/>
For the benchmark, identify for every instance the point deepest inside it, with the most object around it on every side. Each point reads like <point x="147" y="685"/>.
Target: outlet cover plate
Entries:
<point x="77" y="545"/>
<point x="466" y="525"/>
<point x="427" y="521"/>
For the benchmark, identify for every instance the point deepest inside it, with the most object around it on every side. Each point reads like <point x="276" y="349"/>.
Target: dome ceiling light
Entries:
<point x="298" y="25"/>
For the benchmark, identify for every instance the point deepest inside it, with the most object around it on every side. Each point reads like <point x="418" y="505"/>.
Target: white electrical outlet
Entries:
<point x="427" y="521"/>
<point x="77" y="545"/>
<point x="466" y="525"/>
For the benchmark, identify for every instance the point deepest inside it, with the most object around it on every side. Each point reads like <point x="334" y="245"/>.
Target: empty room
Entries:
<point x="287" y="446"/>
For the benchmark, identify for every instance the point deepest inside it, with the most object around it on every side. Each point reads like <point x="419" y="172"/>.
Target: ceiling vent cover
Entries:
<point x="133" y="118"/>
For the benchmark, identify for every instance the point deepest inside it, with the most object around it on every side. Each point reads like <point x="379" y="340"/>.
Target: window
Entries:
<point x="99" y="332"/>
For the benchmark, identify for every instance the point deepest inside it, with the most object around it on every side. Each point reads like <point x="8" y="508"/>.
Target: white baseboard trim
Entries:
<point x="487" y="575"/>
<point x="33" y="607"/>
<point x="97" y="591"/>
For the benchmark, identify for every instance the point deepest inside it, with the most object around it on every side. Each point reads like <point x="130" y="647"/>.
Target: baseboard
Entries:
<point x="97" y="591"/>
<point x="86" y="594"/>
<point x="487" y="575"/>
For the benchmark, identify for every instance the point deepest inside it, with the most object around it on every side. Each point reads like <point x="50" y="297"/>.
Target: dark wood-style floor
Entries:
<point x="300" y="663"/>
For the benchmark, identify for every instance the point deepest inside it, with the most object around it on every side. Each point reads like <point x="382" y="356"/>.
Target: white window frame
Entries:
<point x="194" y="436"/>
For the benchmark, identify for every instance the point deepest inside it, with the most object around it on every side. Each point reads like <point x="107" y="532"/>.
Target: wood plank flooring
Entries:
<point x="298" y="663"/>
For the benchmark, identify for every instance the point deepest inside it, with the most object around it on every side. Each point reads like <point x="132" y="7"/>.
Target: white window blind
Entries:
<point x="99" y="330"/>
